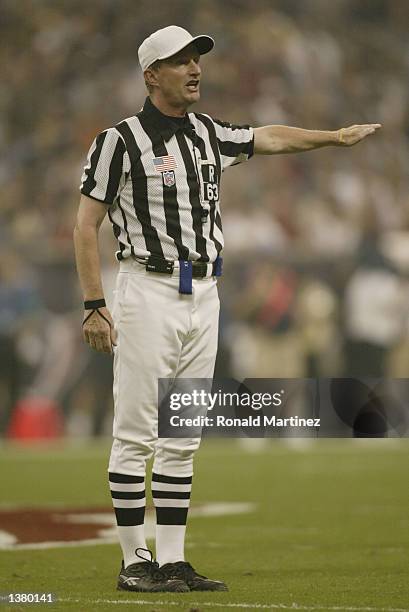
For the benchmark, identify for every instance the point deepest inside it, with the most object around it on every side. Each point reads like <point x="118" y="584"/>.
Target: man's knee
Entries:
<point x="130" y="457"/>
<point x="175" y="455"/>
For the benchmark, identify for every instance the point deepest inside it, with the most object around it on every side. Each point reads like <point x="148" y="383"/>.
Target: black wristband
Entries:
<point x="92" y="304"/>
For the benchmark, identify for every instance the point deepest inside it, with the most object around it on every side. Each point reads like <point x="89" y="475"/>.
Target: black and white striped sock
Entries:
<point x="128" y="498"/>
<point x="171" y="496"/>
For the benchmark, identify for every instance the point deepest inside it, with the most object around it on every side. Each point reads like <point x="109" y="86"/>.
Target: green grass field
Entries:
<point x="329" y="530"/>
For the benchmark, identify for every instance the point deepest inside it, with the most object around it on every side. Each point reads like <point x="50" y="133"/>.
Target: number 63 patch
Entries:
<point x="210" y="182"/>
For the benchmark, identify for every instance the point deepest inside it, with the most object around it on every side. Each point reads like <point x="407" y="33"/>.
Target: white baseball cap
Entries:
<point x="166" y="42"/>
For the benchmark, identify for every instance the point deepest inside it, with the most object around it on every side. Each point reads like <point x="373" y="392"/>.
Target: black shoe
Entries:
<point x="146" y="577"/>
<point x="194" y="581"/>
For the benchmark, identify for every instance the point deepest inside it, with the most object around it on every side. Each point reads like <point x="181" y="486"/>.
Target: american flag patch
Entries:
<point x="167" y="162"/>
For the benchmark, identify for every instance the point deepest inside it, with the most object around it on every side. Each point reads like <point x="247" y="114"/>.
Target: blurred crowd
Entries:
<point x="317" y="244"/>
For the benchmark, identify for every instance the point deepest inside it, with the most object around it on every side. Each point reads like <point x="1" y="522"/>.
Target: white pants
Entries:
<point x="161" y="334"/>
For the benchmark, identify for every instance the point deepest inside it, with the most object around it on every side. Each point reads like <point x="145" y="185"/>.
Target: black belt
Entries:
<point x="199" y="268"/>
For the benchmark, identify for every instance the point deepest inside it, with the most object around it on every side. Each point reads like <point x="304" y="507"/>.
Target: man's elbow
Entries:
<point x="268" y="142"/>
<point x="85" y="229"/>
<point x="87" y="226"/>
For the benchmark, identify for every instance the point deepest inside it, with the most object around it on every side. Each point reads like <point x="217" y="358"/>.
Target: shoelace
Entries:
<point x="151" y="565"/>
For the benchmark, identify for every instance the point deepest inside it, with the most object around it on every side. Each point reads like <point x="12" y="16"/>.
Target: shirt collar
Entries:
<point x="163" y="123"/>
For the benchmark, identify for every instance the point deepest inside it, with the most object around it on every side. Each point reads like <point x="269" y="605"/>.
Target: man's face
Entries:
<point x="178" y="78"/>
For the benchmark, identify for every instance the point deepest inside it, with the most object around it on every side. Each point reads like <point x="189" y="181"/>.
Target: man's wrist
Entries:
<point x="93" y="304"/>
<point x="339" y="136"/>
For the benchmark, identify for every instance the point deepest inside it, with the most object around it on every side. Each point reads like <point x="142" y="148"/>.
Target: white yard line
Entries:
<point x="213" y="604"/>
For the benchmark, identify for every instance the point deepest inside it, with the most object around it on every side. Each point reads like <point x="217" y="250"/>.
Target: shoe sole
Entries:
<point x="179" y="589"/>
<point x="215" y="589"/>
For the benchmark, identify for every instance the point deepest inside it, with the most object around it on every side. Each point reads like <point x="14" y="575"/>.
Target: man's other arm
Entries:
<point x="273" y="139"/>
<point x="97" y="332"/>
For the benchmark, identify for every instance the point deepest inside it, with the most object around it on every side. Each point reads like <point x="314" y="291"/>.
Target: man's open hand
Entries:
<point x="346" y="137"/>
<point x="98" y="330"/>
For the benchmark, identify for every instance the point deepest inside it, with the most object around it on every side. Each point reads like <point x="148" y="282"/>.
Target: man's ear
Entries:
<point x="150" y="77"/>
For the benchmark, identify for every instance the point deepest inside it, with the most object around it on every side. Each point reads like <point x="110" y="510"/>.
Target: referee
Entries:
<point x="157" y="175"/>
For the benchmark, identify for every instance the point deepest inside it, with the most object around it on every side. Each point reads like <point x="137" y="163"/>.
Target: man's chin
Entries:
<point x="192" y="97"/>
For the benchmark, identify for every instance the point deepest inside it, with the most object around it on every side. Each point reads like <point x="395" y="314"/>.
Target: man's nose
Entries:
<point x="194" y="68"/>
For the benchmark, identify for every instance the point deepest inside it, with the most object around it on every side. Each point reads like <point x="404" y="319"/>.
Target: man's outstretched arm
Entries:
<point x="272" y="139"/>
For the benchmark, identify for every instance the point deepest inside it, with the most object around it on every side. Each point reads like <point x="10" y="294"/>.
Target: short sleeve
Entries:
<point x="236" y="142"/>
<point x="107" y="167"/>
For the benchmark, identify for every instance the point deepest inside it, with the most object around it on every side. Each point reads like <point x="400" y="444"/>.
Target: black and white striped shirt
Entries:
<point x="160" y="177"/>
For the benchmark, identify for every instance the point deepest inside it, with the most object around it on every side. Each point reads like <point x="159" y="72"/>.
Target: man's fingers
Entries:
<point x="375" y="126"/>
<point x="372" y="127"/>
<point x="100" y="342"/>
<point x="86" y="335"/>
<point x="355" y="133"/>
<point x="106" y="343"/>
<point x="96" y="343"/>
<point x="91" y="339"/>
